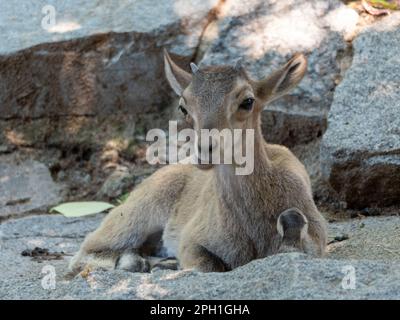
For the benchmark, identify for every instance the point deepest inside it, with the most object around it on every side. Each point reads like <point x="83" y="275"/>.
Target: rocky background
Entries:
<point x="77" y="97"/>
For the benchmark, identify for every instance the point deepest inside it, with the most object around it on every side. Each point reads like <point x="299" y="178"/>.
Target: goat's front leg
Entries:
<point x="195" y="256"/>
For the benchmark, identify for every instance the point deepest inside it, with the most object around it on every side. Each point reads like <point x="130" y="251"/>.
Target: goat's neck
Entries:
<point x="244" y="195"/>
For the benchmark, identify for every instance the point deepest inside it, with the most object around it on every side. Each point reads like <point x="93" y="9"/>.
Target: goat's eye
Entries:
<point x="184" y="111"/>
<point x="247" y="104"/>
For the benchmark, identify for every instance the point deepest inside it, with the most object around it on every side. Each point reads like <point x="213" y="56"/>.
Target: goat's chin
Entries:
<point x="204" y="166"/>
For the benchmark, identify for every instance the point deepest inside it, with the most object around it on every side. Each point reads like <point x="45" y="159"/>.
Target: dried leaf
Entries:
<point x="383" y="4"/>
<point x="372" y="10"/>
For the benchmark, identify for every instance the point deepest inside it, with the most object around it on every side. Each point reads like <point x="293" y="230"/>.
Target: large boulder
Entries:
<point x="97" y="68"/>
<point x="26" y="273"/>
<point x="265" y="34"/>
<point x="360" y="151"/>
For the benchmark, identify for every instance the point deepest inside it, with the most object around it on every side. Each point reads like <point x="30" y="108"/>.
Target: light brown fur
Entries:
<point x="214" y="220"/>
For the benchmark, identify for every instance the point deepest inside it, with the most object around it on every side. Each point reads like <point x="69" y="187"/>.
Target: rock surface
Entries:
<point x="26" y="186"/>
<point x="78" y="18"/>
<point x="284" y="276"/>
<point x="265" y="34"/>
<point x="117" y="183"/>
<point x="374" y="238"/>
<point x="95" y="71"/>
<point x="360" y="151"/>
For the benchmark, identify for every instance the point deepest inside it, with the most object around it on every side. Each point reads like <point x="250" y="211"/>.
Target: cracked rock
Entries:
<point x="98" y="68"/>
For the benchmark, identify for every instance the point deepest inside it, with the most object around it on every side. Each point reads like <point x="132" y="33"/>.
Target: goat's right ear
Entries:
<point x="178" y="78"/>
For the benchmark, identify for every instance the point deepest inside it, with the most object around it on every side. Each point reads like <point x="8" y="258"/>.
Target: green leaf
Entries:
<point x="79" y="209"/>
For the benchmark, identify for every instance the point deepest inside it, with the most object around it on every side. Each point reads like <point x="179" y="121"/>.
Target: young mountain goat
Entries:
<point x="206" y="216"/>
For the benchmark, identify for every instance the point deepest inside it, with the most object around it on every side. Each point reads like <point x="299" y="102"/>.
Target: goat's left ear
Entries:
<point x="282" y="80"/>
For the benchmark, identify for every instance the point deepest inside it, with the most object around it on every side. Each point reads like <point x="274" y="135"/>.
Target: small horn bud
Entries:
<point x="194" y="67"/>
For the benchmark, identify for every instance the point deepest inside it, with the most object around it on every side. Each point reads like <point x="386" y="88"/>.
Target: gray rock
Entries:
<point x="283" y="276"/>
<point x="373" y="238"/>
<point x="26" y="186"/>
<point x="266" y="34"/>
<point x="308" y="154"/>
<point x="360" y="151"/>
<point x="117" y="183"/>
<point x="50" y="226"/>
<point x="55" y="233"/>
<point x="95" y="72"/>
<point x="291" y="129"/>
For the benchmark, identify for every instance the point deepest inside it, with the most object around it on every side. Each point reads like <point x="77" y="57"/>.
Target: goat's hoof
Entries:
<point x="133" y="263"/>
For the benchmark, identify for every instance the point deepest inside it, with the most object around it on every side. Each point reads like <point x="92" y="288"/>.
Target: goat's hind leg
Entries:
<point x="127" y="229"/>
<point x="140" y="260"/>
<point x="118" y="240"/>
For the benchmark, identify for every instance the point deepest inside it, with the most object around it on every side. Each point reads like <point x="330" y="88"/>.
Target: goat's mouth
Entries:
<point x="204" y="166"/>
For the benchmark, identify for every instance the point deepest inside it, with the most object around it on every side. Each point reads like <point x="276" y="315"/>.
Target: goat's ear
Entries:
<point x="178" y="78"/>
<point x="282" y="80"/>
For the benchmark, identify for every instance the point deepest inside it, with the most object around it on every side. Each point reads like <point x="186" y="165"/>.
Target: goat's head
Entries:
<point x="225" y="97"/>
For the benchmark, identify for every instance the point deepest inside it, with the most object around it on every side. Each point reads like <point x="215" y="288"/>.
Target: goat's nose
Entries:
<point x="208" y="145"/>
<point x="210" y="148"/>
